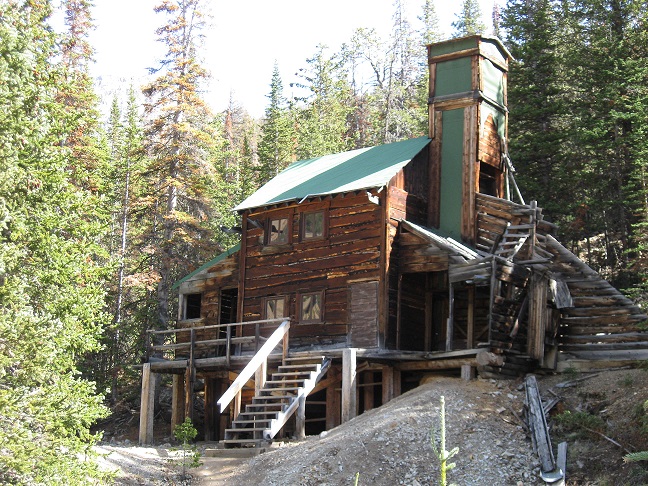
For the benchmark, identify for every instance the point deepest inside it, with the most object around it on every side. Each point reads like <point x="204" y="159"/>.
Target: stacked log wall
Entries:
<point x="350" y="252"/>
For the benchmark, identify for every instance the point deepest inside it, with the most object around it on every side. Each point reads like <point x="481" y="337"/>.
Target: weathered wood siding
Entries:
<point x="350" y="252"/>
<point x="223" y="275"/>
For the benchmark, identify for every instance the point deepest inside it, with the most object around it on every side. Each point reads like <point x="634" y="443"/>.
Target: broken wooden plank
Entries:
<point x="538" y="425"/>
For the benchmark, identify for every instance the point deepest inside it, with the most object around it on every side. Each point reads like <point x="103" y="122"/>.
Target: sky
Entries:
<point x="243" y="42"/>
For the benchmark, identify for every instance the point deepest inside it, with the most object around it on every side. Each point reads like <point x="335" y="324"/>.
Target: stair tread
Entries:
<point x="275" y="397"/>
<point x="247" y="429"/>
<point x="292" y="373"/>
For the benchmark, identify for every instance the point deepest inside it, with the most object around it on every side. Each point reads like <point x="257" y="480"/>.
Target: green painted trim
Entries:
<point x="205" y="266"/>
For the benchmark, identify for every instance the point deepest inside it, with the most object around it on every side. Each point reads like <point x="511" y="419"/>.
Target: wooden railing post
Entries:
<point x="257" y="337"/>
<point x="228" y="345"/>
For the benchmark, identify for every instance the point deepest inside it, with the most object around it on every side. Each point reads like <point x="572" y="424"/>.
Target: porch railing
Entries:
<point x="230" y="336"/>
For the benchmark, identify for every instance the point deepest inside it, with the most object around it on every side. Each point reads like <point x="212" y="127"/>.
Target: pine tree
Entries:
<point x="469" y="19"/>
<point x="51" y="267"/>
<point x="179" y="137"/>
<point x="609" y="125"/>
<point x="276" y="147"/>
<point x="431" y="31"/>
<point x="538" y="102"/>
<point x="322" y="118"/>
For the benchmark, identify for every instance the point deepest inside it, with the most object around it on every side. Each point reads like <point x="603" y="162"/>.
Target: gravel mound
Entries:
<point x="391" y="445"/>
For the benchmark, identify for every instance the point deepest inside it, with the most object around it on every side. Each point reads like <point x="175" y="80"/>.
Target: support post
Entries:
<point x="450" y="322"/>
<point x="177" y="402"/>
<point x="387" y="383"/>
<point x="368" y="390"/>
<point x="189" y="393"/>
<point x="332" y="407"/>
<point x="470" y="339"/>
<point x="146" y="405"/>
<point x="237" y="406"/>
<point x="300" y="418"/>
<point x="260" y="376"/>
<point x="349" y="392"/>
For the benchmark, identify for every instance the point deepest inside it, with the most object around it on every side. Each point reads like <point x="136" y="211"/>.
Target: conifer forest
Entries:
<point x="100" y="213"/>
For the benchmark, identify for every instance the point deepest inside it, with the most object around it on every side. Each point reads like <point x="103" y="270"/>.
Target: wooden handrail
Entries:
<point x="215" y="326"/>
<point x="257" y="361"/>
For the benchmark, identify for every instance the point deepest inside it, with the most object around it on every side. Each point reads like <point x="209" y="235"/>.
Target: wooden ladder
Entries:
<point x="273" y="404"/>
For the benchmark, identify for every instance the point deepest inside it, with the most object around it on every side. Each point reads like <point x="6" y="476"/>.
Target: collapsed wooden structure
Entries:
<point x="358" y="271"/>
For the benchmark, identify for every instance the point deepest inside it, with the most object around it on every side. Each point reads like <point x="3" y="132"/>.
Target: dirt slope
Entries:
<point x="391" y="445"/>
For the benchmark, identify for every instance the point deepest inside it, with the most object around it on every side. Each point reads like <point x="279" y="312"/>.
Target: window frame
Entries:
<point x="185" y="305"/>
<point x="302" y="225"/>
<point x="267" y="239"/>
<point x="300" y="303"/>
<point x="275" y="298"/>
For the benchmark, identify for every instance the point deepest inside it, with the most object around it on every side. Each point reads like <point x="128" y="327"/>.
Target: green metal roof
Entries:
<point x="337" y="173"/>
<point x="210" y="263"/>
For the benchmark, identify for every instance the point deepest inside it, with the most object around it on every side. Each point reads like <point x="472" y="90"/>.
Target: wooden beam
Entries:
<point x="538" y="425"/>
<point x="349" y="392"/>
<point x="300" y="418"/>
<point x="450" y="321"/>
<point x="189" y="393"/>
<point x="368" y="390"/>
<point x="471" y="318"/>
<point x="387" y="383"/>
<point x="177" y="402"/>
<point x="147" y="403"/>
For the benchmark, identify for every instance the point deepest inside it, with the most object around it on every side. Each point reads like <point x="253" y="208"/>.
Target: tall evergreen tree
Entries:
<point x="431" y="31"/>
<point x="322" y="118"/>
<point x="611" y="64"/>
<point x="538" y="97"/>
<point x="276" y="147"/>
<point x="179" y="137"/>
<point x="51" y="295"/>
<point x="469" y="20"/>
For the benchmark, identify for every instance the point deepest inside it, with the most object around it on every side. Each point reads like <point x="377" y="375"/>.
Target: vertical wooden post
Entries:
<point x="300" y="418"/>
<point x="368" y="390"/>
<point x="398" y="311"/>
<point x="189" y="394"/>
<point x="470" y="340"/>
<point x="147" y="402"/>
<point x="450" y="322"/>
<point x="387" y="383"/>
<point x="228" y="345"/>
<point x="260" y="376"/>
<point x="237" y="405"/>
<point x="333" y="416"/>
<point x="177" y="402"/>
<point x="349" y="392"/>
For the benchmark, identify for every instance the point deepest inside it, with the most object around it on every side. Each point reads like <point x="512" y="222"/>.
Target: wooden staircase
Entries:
<point x="273" y="404"/>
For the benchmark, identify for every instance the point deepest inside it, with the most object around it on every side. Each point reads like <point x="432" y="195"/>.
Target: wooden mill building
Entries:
<point x="356" y="272"/>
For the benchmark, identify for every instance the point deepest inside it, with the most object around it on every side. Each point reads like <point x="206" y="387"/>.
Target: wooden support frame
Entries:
<point x="147" y="405"/>
<point x="349" y="390"/>
<point x="177" y="401"/>
<point x="450" y="321"/>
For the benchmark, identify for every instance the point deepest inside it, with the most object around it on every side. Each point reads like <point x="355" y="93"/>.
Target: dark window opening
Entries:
<point x="192" y="306"/>
<point x="228" y="305"/>
<point x="489" y="180"/>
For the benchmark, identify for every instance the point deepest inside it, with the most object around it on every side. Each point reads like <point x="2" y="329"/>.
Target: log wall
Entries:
<point x="350" y="251"/>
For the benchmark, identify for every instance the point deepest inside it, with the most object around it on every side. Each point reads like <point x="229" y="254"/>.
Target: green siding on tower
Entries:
<point x="451" y="171"/>
<point x="453" y="77"/>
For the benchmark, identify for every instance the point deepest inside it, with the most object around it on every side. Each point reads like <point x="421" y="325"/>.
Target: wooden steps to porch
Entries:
<point x="273" y="404"/>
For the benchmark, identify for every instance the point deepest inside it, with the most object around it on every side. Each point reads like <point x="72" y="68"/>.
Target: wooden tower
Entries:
<point x="468" y="125"/>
